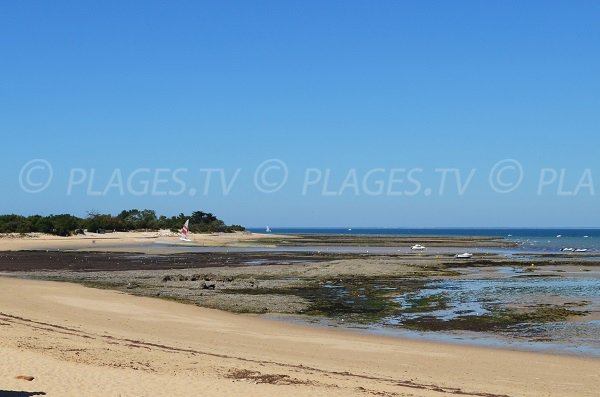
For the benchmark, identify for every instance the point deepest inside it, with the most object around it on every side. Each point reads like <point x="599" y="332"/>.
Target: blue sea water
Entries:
<point x="530" y="239"/>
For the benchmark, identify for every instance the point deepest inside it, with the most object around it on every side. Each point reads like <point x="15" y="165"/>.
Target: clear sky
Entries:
<point x="358" y="90"/>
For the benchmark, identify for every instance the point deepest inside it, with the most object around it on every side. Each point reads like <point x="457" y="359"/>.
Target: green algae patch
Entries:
<point x="355" y="299"/>
<point x="496" y="320"/>
<point x="424" y="304"/>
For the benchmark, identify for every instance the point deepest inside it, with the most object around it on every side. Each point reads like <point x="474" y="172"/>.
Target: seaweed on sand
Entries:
<point x="497" y="320"/>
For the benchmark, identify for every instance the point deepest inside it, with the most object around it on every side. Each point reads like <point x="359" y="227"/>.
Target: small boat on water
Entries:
<point x="417" y="247"/>
<point x="466" y="255"/>
<point x="185" y="231"/>
<point x="581" y="250"/>
<point x="568" y="249"/>
<point x="558" y="235"/>
<point x="268" y="229"/>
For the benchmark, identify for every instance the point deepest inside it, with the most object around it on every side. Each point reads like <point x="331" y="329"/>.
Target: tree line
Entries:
<point x="127" y="220"/>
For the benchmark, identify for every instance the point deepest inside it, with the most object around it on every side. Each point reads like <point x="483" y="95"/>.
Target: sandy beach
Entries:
<point x="165" y="241"/>
<point x="80" y="341"/>
<point x="120" y="240"/>
<point x="74" y="340"/>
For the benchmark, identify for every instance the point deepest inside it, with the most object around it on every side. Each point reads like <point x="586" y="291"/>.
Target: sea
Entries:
<point x="528" y="239"/>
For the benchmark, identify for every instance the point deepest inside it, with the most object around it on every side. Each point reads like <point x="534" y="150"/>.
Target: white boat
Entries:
<point x="558" y="235"/>
<point x="268" y="230"/>
<point x="466" y="255"/>
<point x="568" y="249"/>
<point x="586" y="236"/>
<point x="417" y="247"/>
<point x="581" y="250"/>
<point x="184" y="235"/>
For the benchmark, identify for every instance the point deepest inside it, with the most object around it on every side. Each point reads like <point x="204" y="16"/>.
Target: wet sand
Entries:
<point x="82" y="261"/>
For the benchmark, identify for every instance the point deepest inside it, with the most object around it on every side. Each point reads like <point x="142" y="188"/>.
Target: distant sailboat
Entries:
<point x="184" y="234"/>
<point x="268" y="230"/>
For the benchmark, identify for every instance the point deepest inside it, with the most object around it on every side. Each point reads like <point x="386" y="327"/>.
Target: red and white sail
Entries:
<point x="185" y="230"/>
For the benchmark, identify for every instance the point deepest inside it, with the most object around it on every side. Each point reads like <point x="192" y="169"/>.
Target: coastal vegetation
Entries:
<point x="127" y="220"/>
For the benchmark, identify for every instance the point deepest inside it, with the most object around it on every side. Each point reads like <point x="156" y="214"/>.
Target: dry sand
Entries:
<point x="127" y="240"/>
<point x="78" y="341"/>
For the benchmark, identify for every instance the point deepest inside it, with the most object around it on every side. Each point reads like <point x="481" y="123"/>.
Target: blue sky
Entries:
<point x="338" y="85"/>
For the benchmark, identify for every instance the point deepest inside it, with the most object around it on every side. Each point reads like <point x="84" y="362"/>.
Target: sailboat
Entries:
<point x="268" y="230"/>
<point x="185" y="231"/>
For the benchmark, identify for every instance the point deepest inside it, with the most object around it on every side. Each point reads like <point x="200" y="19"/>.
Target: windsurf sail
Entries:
<point x="185" y="230"/>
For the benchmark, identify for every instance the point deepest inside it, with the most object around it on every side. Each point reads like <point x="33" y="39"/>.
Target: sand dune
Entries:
<point x="78" y="341"/>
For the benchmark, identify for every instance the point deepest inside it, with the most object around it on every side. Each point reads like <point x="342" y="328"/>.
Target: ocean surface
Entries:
<point x="547" y="240"/>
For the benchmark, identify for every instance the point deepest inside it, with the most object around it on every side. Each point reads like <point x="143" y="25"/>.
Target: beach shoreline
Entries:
<point x="129" y="241"/>
<point x="182" y="349"/>
<point x="142" y="345"/>
<point x="124" y="241"/>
